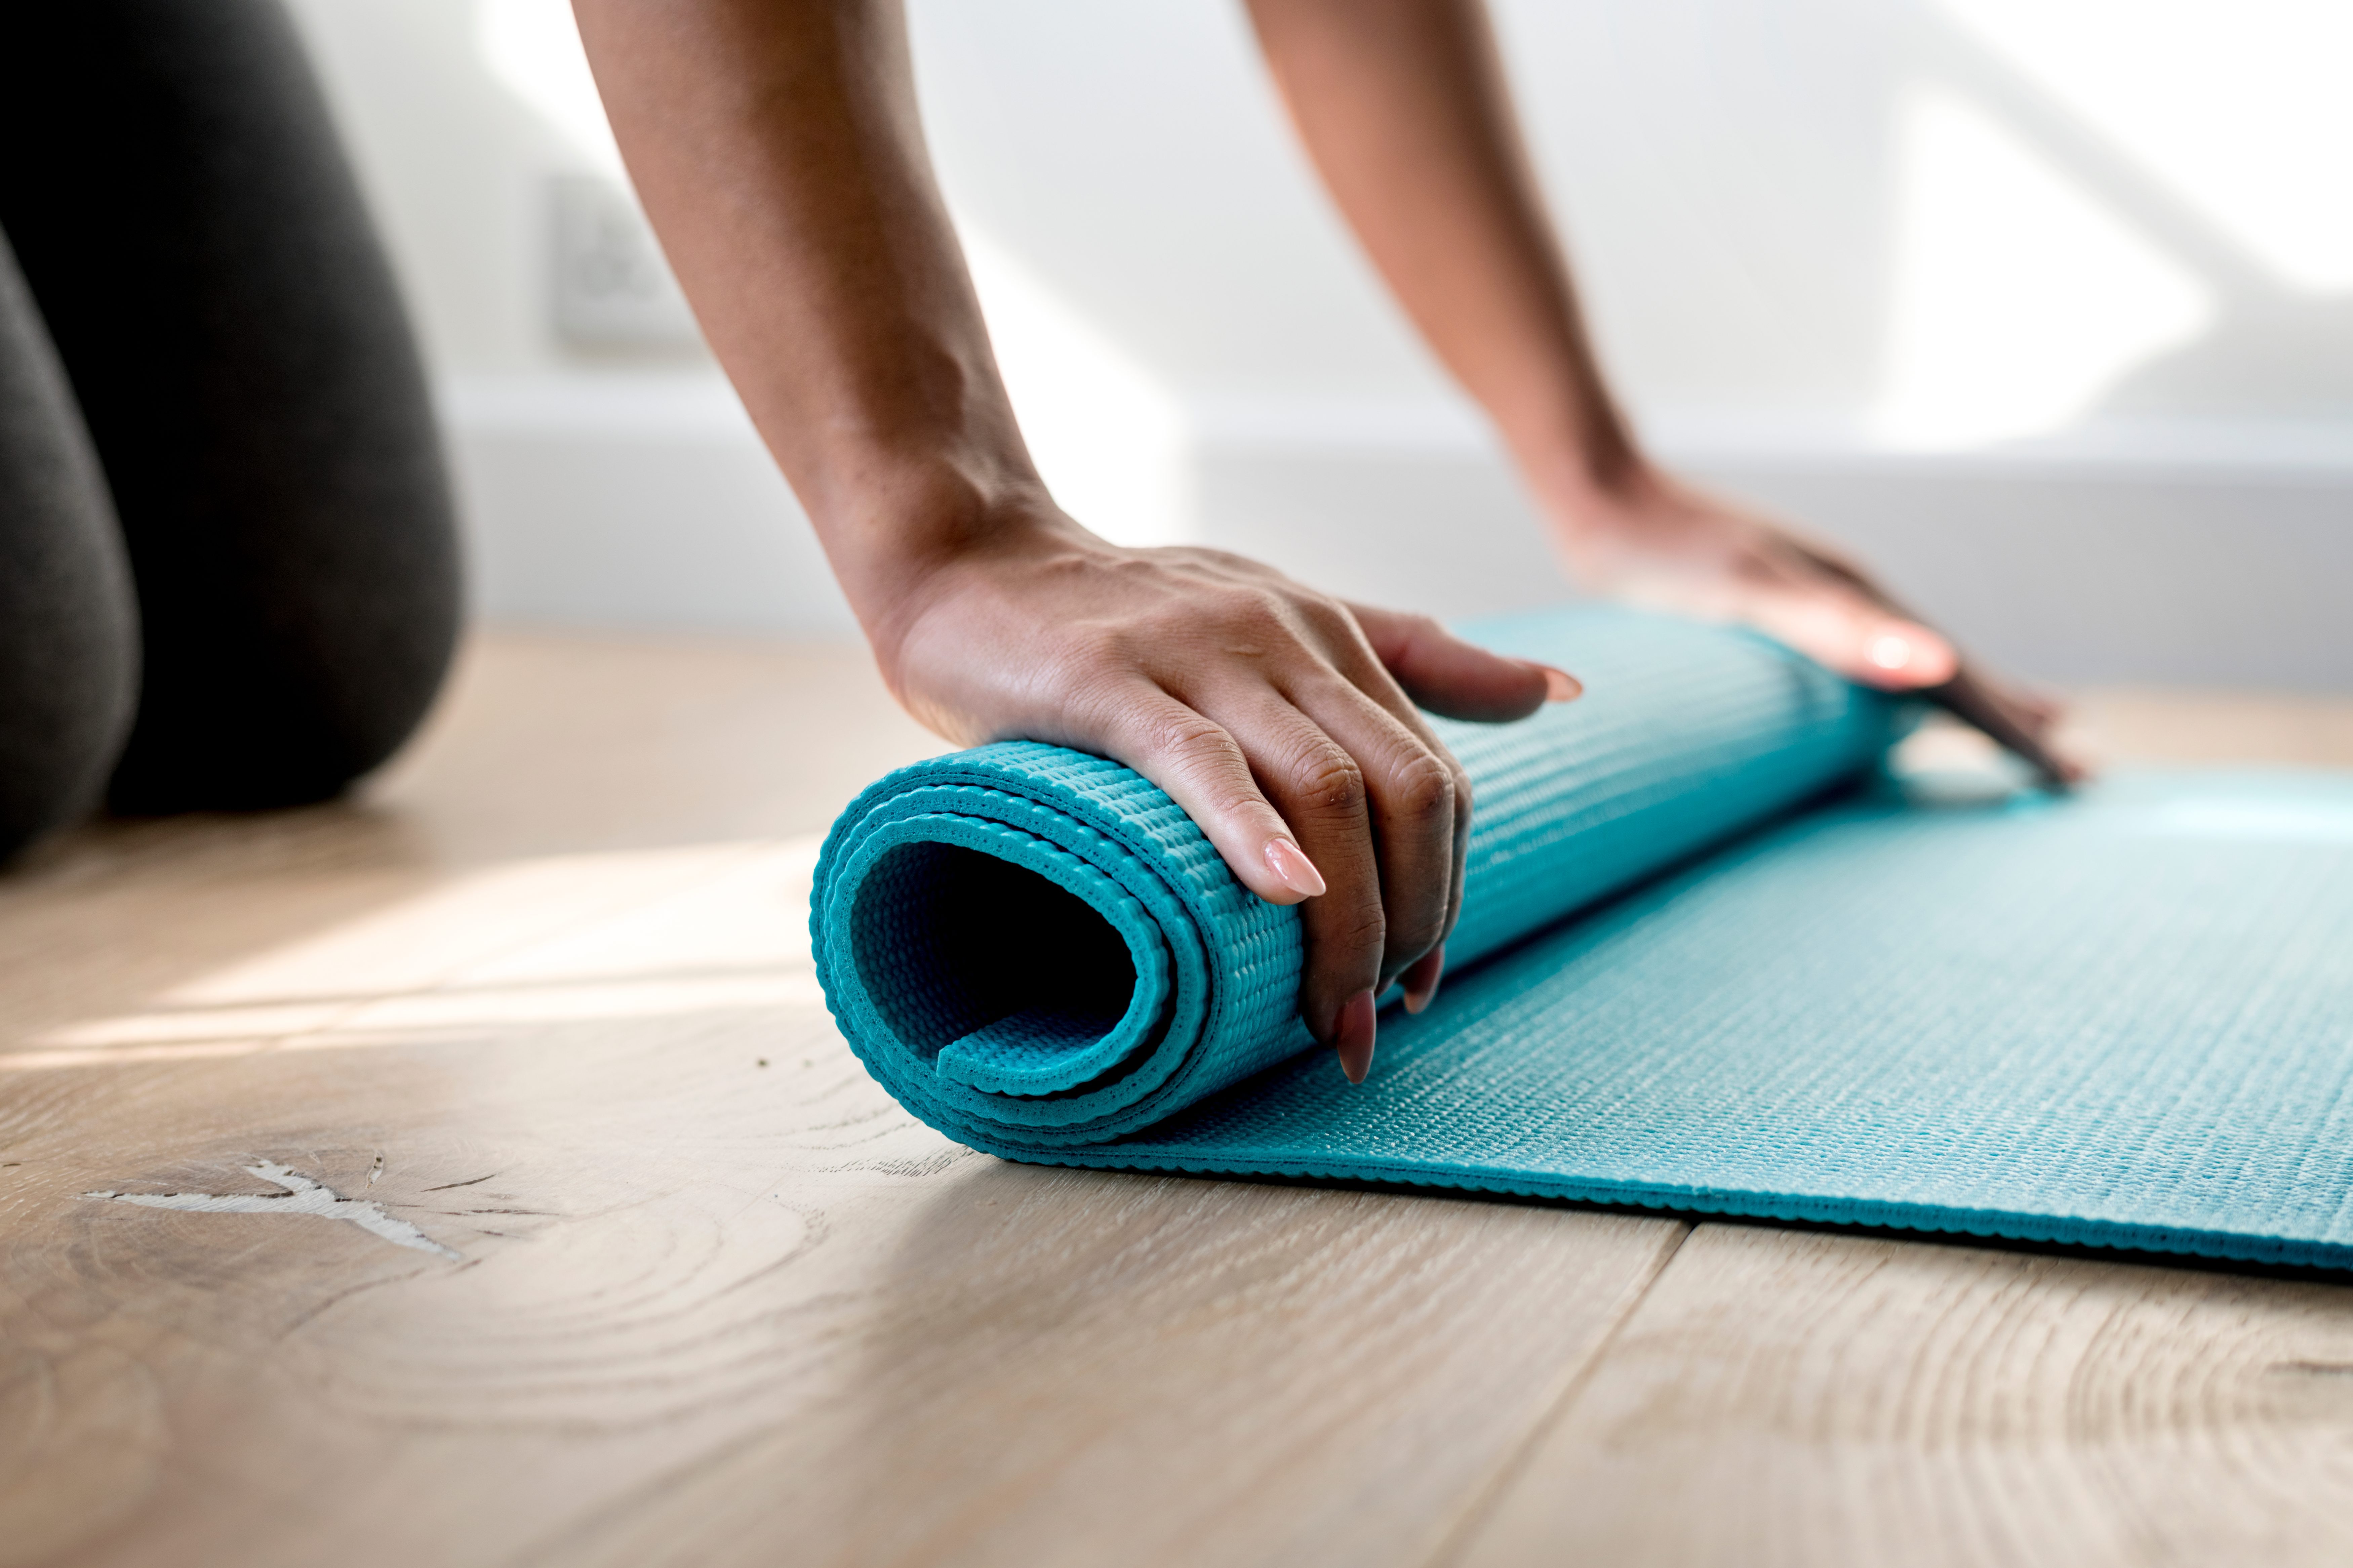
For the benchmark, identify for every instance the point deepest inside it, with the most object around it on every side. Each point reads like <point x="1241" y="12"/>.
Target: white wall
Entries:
<point x="2048" y="304"/>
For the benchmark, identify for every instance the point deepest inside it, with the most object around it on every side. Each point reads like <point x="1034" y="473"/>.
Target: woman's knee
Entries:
<point x="250" y="381"/>
<point x="68" y="630"/>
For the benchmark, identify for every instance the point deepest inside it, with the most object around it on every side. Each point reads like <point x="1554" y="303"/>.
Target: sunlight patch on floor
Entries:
<point x="566" y="939"/>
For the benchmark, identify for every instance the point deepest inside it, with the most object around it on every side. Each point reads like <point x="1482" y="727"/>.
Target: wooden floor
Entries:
<point x="512" y="1200"/>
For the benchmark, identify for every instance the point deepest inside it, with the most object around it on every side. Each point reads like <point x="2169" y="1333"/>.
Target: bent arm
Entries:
<point x="1404" y="107"/>
<point x="778" y="148"/>
<point x="779" y="154"/>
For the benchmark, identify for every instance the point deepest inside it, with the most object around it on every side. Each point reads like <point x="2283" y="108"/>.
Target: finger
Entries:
<point x="2045" y="710"/>
<point x="1462" y="680"/>
<point x="1204" y="771"/>
<point x="2021" y="722"/>
<point x="1418" y="809"/>
<point x="1420" y="981"/>
<point x="1317" y="781"/>
<point x="1843" y="631"/>
<point x="1357" y="657"/>
<point x="2011" y="724"/>
<point x="1352" y="1039"/>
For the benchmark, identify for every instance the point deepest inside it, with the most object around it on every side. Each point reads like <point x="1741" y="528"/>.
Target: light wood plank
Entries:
<point x="716" y="1298"/>
<point x="560" y="741"/>
<point x="1791" y="1397"/>
<point x="520" y="994"/>
<point x="2144" y="724"/>
<point x="546" y="744"/>
<point x="1788" y="1397"/>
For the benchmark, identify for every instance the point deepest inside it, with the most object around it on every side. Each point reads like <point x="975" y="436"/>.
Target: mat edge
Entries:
<point x="1861" y="1215"/>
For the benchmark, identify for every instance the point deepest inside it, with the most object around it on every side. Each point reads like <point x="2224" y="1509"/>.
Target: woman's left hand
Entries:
<point x="1653" y="540"/>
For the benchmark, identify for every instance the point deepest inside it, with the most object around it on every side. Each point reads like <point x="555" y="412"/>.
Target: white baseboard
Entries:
<point x="640" y="502"/>
<point x="2199" y="552"/>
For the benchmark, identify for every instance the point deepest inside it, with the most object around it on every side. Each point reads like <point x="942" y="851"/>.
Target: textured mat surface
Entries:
<point x="2122" y="1019"/>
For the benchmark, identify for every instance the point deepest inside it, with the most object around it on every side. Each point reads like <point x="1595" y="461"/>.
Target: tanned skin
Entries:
<point x="776" y="146"/>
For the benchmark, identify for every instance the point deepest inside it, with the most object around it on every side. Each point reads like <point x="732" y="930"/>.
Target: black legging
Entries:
<point x="229" y="574"/>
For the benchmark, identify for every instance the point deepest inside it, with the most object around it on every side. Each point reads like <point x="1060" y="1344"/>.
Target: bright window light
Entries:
<point x="2245" y="110"/>
<point x="2018" y="300"/>
<point x="1109" y="439"/>
<point x="532" y="46"/>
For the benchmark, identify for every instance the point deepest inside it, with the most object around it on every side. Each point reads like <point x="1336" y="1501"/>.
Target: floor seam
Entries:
<point x="1459" y="1536"/>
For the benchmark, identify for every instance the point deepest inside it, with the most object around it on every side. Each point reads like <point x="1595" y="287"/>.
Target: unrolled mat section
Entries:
<point x="1692" y="972"/>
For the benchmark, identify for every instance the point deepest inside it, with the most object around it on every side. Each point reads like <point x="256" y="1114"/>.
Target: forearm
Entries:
<point x="779" y="151"/>
<point x="777" y="147"/>
<point x="1404" y="107"/>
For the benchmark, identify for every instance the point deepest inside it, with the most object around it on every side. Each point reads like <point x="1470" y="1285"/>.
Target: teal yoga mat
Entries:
<point x="1705" y="963"/>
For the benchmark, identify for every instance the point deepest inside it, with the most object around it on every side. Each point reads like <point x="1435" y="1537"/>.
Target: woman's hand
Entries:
<point x="781" y="157"/>
<point x="1652" y="539"/>
<point x="1282" y="720"/>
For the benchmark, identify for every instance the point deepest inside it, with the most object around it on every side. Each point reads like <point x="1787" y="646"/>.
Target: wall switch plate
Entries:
<point x="608" y="283"/>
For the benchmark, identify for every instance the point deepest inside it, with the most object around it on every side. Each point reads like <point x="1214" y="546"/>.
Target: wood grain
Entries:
<point x="716" y="1298"/>
<point x="1785" y="1398"/>
<point x="542" y="992"/>
<point x="1791" y="1397"/>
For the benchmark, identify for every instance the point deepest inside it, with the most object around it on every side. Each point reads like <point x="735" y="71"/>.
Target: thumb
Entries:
<point x="1448" y="676"/>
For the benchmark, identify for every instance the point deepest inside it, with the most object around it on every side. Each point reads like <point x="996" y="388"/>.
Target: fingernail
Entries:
<point x="1889" y="651"/>
<point x="1559" y="684"/>
<point x="1420" y="981"/>
<point x="1293" y="869"/>
<point x="1352" y="1038"/>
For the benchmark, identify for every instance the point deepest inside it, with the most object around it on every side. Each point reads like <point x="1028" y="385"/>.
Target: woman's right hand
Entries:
<point x="780" y="155"/>
<point x="1285" y="722"/>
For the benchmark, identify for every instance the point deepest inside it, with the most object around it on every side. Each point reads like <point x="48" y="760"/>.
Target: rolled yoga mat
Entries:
<point x="1703" y="964"/>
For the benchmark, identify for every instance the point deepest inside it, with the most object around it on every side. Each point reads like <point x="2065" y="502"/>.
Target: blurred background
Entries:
<point x="2045" y="306"/>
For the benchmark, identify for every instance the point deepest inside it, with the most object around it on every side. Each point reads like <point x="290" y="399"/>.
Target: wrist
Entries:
<point x="1575" y="450"/>
<point x="913" y="536"/>
<point x="1584" y="498"/>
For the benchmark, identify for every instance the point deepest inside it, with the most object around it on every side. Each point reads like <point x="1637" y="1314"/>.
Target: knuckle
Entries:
<point x="1327" y="780"/>
<point x="1084" y="655"/>
<point x="1356" y="936"/>
<point x="1255" y="612"/>
<point x="1420" y="630"/>
<point x="1225" y="562"/>
<point x="1421" y="789"/>
<point x="1344" y="641"/>
<point x="1185" y="734"/>
<point x="1325" y="613"/>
